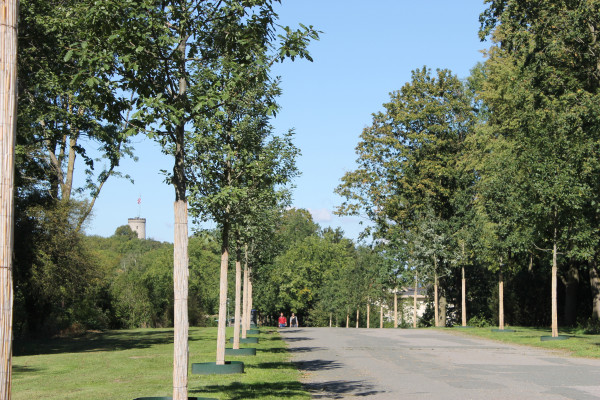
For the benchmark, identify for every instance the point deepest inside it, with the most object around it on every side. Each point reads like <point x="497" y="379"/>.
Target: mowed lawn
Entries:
<point x="126" y="364"/>
<point x="578" y="343"/>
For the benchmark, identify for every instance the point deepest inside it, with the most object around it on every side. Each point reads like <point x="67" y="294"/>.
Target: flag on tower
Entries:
<point x="139" y="200"/>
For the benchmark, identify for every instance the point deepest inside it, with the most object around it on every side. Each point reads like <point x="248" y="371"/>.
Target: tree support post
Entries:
<point x="8" y="124"/>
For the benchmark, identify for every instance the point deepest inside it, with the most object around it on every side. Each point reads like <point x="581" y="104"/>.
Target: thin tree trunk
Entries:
<point x="500" y="298"/>
<point x="435" y="300"/>
<point x="554" y="290"/>
<point x="443" y="301"/>
<point x="415" y="300"/>
<point x="595" y="285"/>
<point x="357" y="314"/>
<point x="221" y="333"/>
<point x="381" y="315"/>
<point x="464" y="298"/>
<point x="8" y="124"/>
<point x="368" y="315"/>
<point x="250" y="297"/>
<point x="180" y="282"/>
<point x="248" y="311"/>
<point x="396" y="308"/>
<point x="330" y="318"/>
<point x="238" y="298"/>
<point x="347" y="319"/>
<point x="180" y="245"/>
<point x="245" y="320"/>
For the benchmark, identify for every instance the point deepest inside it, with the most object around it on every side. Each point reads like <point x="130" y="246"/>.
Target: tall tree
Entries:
<point x="408" y="165"/>
<point x="543" y="93"/>
<point x="62" y="119"/>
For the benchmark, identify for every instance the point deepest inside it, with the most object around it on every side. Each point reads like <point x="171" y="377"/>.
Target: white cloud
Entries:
<point x="320" y="215"/>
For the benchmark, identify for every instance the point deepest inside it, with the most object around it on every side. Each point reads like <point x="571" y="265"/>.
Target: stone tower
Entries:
<point x="138" y="225"/>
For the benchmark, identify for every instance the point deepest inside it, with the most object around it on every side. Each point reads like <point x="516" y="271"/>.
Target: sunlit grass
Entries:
<point x="132" y="363"/>
<point x="579" y="344"/>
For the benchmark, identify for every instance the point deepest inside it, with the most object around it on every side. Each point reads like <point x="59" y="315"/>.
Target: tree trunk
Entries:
<point x="221" y="333"/>
<point x="238" y="298"/>
<point x="571" y="291"/>
<point x="500" y="298"/>
<point x="368" y="315"/>
<point x="554" y="291"/>
<point x="435" y="301"/>
<point x="330" y="318"/>
<point x="8" y="124"/>
<point x="250" y="297"/>
<point x="595" y="286"/>
<point x="381" y="315"/>
<point x="396" y="308"/>
<point x="357" y="314"/>
<point x="245" y="325"/>
<point x="347" y="319"/>
<point x="443" y="302"/>
<point x="180" y="284"/>
<point x="415" y="301"/>
<point x="464" y="298"/>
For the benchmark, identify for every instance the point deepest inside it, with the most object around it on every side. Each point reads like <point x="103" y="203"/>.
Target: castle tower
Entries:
<point x="138" y="225"/>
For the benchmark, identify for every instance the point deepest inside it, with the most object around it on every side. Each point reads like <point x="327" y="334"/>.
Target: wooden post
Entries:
<point x="357" y="315"/>
<point x="250" y="300"/>
<point x="500" y="298"/>
<point x="8" y="125"/>
<point x="180" y="285"/>
<point x="347" y="318"/>
<point x="245" y="325"/>
<point x="381" y="315"/>
<point x="554" y="290"/>
<point x="415" y="301"/>
<point x="330" y="318"/>
<point x="464" y="298"/>
<point x="238" y="299"/>
<point x="368" y="314"/>
<point x="396" y="308"/>
<point x="221" y="332"/>
<point x="435" y="300"/>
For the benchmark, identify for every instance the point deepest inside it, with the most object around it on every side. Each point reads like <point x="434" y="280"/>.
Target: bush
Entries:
<point x="480" y="321"/>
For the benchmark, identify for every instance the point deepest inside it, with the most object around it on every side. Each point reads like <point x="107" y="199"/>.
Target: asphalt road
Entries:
<point x="340" y="363"/>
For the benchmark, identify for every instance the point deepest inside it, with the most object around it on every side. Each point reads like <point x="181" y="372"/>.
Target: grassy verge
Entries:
<point x="578" y="344"/>
<point x="132" y="363"/>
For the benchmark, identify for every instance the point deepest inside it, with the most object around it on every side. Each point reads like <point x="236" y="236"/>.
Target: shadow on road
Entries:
<point x="296" y="339"/>
<point x="317" y="365"/>
<point x="339" y="389"/>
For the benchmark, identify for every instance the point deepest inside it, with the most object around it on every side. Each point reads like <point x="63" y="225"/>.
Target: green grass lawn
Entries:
<point x="578" y="344"/>
<point x="126" y="364"/>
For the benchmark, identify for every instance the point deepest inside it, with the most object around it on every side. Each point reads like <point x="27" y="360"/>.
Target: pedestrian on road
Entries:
<point x="282" y="321"/>
<point x="293" y="321"/>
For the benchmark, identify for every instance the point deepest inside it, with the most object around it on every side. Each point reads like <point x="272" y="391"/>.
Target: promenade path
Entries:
<point x="340" y="363"/>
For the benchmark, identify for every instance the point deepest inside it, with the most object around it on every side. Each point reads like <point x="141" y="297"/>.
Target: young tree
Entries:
<point x="170" y="56"/>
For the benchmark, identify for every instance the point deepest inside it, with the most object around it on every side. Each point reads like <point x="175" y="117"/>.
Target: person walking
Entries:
<point x="293" y="321"/>
<point x="282" y="321"/>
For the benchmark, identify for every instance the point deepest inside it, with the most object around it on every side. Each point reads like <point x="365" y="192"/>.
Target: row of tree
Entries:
<point x="193" y="75"/>
<point x="497" y="173"/>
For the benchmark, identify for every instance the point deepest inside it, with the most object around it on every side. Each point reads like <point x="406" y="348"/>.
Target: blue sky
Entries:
<point x="366" y="50"/>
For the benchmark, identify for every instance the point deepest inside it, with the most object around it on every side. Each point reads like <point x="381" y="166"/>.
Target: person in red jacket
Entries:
<point x="282" y="321"/>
